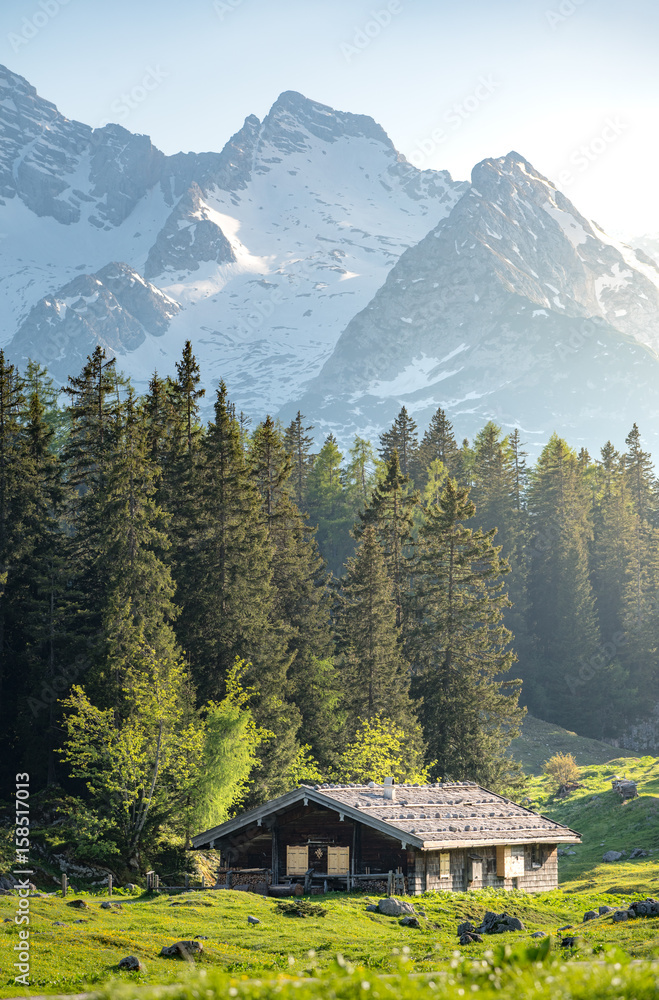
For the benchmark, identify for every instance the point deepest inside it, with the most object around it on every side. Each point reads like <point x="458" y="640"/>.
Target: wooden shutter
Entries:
<point x="503" y="861"/>
<point x="297" y="860"/>
<point x="510" y="861"/>
<point x="338" y="860"/>
<point x="516" y="862"/>
<point x="444" y="864"/>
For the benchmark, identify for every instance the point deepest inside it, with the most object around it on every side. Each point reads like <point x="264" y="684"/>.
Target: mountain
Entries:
<point x="513" y="308"/>
<point x="313" y="267"/>
<point x="267" y="248"/>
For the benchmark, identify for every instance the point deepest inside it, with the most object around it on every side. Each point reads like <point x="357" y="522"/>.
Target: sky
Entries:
<point x="572" y="85"/>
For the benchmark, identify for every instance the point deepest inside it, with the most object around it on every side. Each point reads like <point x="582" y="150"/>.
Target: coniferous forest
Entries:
<point x="199" y="615"/>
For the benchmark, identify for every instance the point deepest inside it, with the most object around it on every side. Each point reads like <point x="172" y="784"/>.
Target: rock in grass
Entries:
<point x="569" y="942"/>
<point x="131" y="963"/>
<point x="612" y="856"/>
<point x="620" y="915"/>
<point x="129" y="887"/>
<point x="590" y="915"/>
<point x="106" y="905"/>
<point x="78" y="904"/>
<point x="466" y="928"/>
<point x="392" y="907"/>
<point x="539" y="934"/>
<point x="182" y="949"/>
<point x="372" y="908"/>
<point x="59" y="923"/>
<point x="253" y="920"/>
<point x="606" y="909"/>
<point x="201" y="937"/>
<point x="638" y="853"/>
<point x="410" y="921"/>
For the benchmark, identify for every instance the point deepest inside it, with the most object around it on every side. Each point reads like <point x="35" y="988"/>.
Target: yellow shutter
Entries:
<point x="503" y="861"/>
<point x="444" y="864"/>
<point x="297" y="860"/>
<point x="338" y="860"/>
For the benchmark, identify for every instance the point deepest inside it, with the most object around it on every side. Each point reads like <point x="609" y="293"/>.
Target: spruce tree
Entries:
<point x="390" y="513"/>
<point x="458" y="645"/>
<point x="401" y="437"/>
<point x="438" y="442"/>
<point x="298" y="444"/>
<point x="562" y="607"/>
<point x="329" y="506"/>
<point x="376" y="676"/>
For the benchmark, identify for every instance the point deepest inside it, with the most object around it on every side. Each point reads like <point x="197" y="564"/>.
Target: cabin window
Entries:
<point x="491" y="866"/>
<point x="297" y="860"/>
<point x="444" y="864"/>
<point x="338" y="860"/>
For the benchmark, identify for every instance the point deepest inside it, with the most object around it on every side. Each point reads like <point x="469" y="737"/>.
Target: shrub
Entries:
<point x="563" y="769"/>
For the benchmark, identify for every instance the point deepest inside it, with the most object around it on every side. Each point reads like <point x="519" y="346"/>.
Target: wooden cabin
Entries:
<point x="405" y="838"/>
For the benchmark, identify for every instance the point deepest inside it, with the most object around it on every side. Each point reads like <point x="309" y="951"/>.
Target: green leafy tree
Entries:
<point x="381" y="748"/>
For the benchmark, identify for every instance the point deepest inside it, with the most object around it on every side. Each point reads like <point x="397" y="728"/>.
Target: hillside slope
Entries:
<point x="541" y="740"/>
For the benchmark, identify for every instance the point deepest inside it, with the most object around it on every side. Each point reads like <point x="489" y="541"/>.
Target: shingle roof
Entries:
<point x="424" y="816"/>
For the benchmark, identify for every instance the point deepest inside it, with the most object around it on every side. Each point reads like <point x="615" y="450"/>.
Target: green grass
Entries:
<point x="541" y="740"/>
<point x="280" y="953"/>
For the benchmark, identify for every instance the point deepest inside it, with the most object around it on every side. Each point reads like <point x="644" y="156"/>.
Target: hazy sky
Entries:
<point x="570" y="84"/>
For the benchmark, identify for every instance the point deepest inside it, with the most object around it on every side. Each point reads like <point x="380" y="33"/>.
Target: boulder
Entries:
<point x="499" y="923"/>
<point x="539" y="934"/>
<point x="620" y="915"/>
<point x="106" y="905"/>
<point x="372" y="908"/>
<point x="466" y="928"/>
<point x="470" y="938"/>
<point x="131" y="963"/>
<point x="201" y="937"/>
<point x="638" y="853"/>
<point x="590" y="915"/>
<point x="182" y="949"/>
<point x="569" y="942"/>
<point x="253" y="920"/>
<point x="392" y="907"/>
<point x="606" y="909"/>
<point x="612" y="856"/>
<point x="78" y="904"/>
<point x="410" y="921"/>
<point x="130" y="887"/>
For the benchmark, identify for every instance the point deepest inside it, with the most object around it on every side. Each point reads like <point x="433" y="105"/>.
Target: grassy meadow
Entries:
<point x="77" y="950"/>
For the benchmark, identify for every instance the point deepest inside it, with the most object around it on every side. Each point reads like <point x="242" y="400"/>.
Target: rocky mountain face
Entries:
<point x="312" y="266"/>
<point x="115" y="308"/>
<point x="514" y="308"/>
<point x="268" y="247"/>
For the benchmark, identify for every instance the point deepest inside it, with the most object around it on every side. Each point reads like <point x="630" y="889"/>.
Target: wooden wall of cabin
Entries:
<point x="476" y="868"/>
<point x="317" y="828"/>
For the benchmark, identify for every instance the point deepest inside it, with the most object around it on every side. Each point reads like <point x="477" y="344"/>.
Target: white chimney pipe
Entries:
<point x="388" y="789"/>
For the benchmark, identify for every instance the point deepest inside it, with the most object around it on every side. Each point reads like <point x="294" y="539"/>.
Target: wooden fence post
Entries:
<point x="203" y="881"/>
<point x="109" y="885"/>
<point x="65" y="885"/>
<point x="187" y="880"/>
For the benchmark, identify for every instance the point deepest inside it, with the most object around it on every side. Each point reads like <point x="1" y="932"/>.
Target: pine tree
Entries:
<point x="329" y="506"/>
<point x="188" y="392"/>
<point x="438" y="442"/>
<point x="298" y="444"/>
<point x="401" y="437"/>
<point x="390" y="513"/>
<point x="376" y="677"/>
<point x="301" y="599"/>
<point x="458" y="645"/>
<point x="563" y="616"/>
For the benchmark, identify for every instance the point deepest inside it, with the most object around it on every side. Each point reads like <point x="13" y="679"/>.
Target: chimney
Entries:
<point x="389" y="790"/>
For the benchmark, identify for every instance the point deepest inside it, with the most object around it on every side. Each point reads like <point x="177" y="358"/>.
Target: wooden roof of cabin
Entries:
<point x="443" y="815"/>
